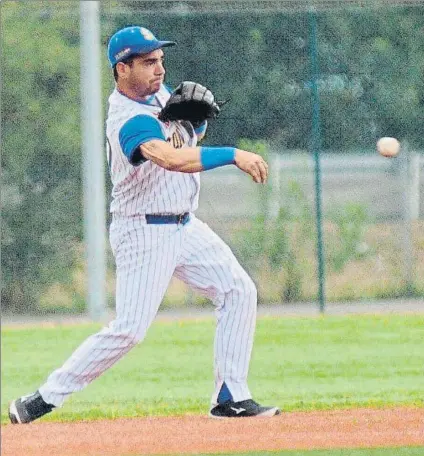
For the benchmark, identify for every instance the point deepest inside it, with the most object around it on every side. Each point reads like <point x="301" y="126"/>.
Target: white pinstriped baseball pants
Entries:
<point x="147" y="256"/>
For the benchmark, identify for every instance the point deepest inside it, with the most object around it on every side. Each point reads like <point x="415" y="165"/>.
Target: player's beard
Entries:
<point x="155" y="86"/>
<point x="146" y="90"/>
<point x="139" y="89"/>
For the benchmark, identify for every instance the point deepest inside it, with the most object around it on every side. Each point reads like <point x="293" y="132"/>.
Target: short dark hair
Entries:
<point x="128" y="61"/>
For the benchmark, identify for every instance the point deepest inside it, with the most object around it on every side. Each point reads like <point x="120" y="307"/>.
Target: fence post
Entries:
<point x="316" y="151"/>
<point x="410" y="187"/>
<point x="93" y="158"/>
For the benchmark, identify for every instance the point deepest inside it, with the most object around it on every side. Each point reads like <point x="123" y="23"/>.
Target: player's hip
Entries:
<point x="146" y="232"/>
<point x="138" y="208"/>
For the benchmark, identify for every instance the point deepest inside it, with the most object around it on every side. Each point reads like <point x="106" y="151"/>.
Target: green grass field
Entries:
<point x="298" y="364"/>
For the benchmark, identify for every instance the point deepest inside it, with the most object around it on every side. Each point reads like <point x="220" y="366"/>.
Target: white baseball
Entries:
<point x="388" y="147"/>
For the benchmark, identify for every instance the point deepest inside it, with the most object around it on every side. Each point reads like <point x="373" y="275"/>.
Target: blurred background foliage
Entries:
<point x="371" y="65"/>
<point x="371" y="85"/>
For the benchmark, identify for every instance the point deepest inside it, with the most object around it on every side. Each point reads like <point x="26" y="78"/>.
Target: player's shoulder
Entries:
<point x="122" y="109"/>
<point x="119" y="102"/>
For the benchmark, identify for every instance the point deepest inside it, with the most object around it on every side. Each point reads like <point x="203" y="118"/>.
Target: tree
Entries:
<point x="41" y="215"/>
<point x="370" y="84"/>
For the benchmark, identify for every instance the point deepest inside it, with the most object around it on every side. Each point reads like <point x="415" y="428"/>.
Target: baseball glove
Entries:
<point x="193" y="102"/>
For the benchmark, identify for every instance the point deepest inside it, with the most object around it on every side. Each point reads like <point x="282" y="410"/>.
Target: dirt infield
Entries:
<point x="358" y="428"/>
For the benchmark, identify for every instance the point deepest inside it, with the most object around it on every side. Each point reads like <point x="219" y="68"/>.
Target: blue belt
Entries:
<point x="154" y="219"/>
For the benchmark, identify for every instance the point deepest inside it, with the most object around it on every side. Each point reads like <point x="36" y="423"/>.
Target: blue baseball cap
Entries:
<point x="133" y="40"/>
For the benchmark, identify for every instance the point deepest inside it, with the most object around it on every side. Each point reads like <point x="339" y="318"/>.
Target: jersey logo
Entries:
<point x="176" y="140"/>
<point x="238" y="410"/>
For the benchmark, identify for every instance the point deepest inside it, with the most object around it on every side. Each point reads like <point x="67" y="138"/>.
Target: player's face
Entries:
<point x="146" y="74"/>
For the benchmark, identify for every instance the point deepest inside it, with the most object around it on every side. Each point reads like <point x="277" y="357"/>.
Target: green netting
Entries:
<point x="263" y="6"/>
<point x="370" y="82"/>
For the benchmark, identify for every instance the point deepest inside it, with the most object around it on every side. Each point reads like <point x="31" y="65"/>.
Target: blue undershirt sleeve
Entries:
<point x="137" y="131"/>
<point x="201" y="129"/>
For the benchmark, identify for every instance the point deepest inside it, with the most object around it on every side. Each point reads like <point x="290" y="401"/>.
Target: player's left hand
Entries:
<point x="191" y="101"/>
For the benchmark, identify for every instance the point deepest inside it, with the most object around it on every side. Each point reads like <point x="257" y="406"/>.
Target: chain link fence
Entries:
<point x="371" y="57"/>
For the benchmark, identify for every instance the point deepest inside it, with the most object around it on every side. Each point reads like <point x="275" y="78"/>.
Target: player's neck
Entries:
<point x="132" y="95"/>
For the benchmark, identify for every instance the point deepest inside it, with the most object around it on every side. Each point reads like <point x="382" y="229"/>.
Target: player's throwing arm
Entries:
<point x="196" y="159"/>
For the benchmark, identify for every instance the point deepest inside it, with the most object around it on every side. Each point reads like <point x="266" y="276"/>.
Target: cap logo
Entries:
<point x="147" y="34"/>
<point x="122" y="53"/>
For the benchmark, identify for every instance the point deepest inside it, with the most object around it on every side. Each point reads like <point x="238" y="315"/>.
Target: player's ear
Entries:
<point x="122" y="70"/>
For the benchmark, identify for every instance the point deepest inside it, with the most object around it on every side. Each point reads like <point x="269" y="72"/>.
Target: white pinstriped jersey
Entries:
<point x="148" y="188"/>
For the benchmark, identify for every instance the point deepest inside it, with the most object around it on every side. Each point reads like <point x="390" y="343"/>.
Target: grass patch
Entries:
<point x="298" y="363"/>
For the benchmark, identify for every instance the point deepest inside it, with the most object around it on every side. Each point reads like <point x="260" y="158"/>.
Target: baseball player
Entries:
<point x="154" y="166"/>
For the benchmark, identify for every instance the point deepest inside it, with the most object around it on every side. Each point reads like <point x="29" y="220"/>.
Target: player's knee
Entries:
<point x="129" y="333"/>
<point x="135" y="337"/>
<point x="253" y="292"/>
<point x="247" y="290"/>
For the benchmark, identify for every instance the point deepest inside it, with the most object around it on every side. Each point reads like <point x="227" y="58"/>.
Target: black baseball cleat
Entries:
<point x="242" y="409"/>
<point x="28" y="408"/>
